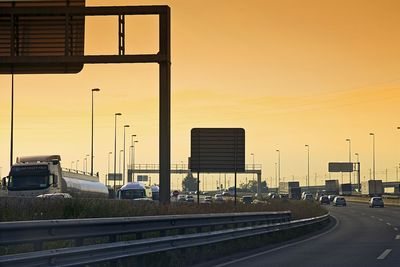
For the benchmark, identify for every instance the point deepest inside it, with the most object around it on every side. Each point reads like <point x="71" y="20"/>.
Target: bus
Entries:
<point x="135" y="191"/>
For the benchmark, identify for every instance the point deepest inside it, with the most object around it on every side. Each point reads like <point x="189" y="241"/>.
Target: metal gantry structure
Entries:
<point x="15" y="61"/>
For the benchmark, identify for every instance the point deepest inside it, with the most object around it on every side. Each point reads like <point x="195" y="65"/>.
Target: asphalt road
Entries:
<point x="362" y="236"/>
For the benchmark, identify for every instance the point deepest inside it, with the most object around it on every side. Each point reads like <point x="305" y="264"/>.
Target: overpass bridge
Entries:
<point x="180" y="169"/>
<point x="184" y="169"/>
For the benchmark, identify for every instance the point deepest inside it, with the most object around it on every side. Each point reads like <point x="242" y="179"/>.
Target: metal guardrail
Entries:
<point x="37" y="232"/>
<point x="118" y="250"/>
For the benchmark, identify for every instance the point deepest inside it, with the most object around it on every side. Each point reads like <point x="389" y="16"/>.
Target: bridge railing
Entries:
<point x="154" y="167"/>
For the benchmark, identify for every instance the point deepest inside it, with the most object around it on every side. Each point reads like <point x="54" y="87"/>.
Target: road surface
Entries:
<point x="362" y="236"/>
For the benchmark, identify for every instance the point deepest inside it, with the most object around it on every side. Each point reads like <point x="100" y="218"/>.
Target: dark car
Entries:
<point x="376" y="202"/>
<point x="339" y="201"/>
<point x="324" y="200"/>
<point x="247" y="199"/>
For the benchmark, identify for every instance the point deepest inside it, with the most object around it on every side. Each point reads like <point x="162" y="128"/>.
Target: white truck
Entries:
<point x="37" y="175"/>
<point x="372" y="188"/>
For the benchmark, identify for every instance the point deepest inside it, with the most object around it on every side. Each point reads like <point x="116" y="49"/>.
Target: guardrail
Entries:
<point x="110" y="252"/>
<point x="38" y="232"/>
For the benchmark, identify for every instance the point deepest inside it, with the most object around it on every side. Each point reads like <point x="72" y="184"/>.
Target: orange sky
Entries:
<point x="289" y="72"/>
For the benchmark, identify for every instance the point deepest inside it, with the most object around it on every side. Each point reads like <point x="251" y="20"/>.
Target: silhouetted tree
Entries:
<point x="189" y="183"/>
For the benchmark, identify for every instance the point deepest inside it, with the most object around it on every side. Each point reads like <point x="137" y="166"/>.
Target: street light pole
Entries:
<point x="115" y="147"/>
<point x="123" y="175"/>
<point x="373" y="154"/>
<point x="86" y="160"/>
<point x="108" y="167"/>
<point x="358" y="171"/>
<point x="279" y="165"/>
<point x="72" y="163"/>
<point x="252" y="154"/>
<point x="131" y="157"/>
<point x="348" y="140"/>
<point x="91" y="157"/>
<point x="308" y="167"/>
<point x="77" y="162"/>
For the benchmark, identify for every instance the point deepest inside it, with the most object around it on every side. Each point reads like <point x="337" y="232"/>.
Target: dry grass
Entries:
<point x="20" y="209"/>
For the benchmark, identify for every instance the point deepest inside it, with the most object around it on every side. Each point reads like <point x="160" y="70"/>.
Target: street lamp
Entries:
<point x="86" y="160"/>
<point x="279" y="165"/>
<point x="115" y="147"/>
<point x="308" y="166"/>
<point x="120" y="161"/>
<point x="108" y="167"/>
<point x="348" y="140"/>
<point x="91" y="151"/>
<point x="373" y="154"/>
<point x="123" y="175"/>
<point x="131" y="156"/>
<point x="252" y="154"/>
<point x="276" y="175"/>
<point x="72" y="163"/>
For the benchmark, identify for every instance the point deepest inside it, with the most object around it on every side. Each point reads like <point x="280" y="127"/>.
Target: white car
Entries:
<point x="218" y="198"/>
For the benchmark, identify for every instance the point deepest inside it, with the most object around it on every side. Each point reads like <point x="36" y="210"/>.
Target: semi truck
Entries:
<point x="37" y="175"/>
<point x="291" y="190"/>
<point x="372" y="188"/>
<point x="345" y="189"/>
<point x="332" y="187"/>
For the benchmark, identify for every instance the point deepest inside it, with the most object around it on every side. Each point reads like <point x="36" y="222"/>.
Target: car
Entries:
<point x="272" y="195"/>
<point x="189" y="199"/>
<point x="304" y="193"/>
<point x="55" y="196"/>
<point x="181" y="198"/>
<point x="207" y="200"/>
<point x="308" y="197"/>
<point x="331" y="197"/>
<point x="226" y="194"/>
<point x="174" y="193"/>
<point x="247" y="199"/>
<point x="324" y="200"/>
<point x="376" y="202"/>
<point x="218" y="198"/>
<point x="339" y="201"/>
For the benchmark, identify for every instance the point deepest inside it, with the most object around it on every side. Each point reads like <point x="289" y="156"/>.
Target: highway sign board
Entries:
<point x="118" y="176"/>
<point x="142" y="178"/>
<point x="340" y="167"/>
<point x="217" y="150"/>
<point x="31" y="37"/>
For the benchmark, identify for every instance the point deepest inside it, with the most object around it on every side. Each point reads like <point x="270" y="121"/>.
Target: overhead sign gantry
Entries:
<point x="38" y="37"/>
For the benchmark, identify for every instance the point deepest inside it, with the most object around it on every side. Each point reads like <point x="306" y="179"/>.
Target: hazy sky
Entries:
<point x="290" y="72"/>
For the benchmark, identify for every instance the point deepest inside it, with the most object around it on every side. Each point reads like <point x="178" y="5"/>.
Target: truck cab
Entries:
<point x="32" y="177"/>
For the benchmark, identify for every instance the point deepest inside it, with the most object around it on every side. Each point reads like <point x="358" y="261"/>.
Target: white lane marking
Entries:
<point x="397" y="237"/>
<point x="381" y="220"/>
<point x="363" y="213"/>
<point x="372" y="216"/>
<point x="396" y="229"/>
<point x="384" y="254"/>
<point x="279" y="248"/>
<point x="389" y="224"/>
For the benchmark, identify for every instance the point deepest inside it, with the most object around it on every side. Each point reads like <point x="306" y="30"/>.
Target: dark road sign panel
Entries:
<point x="31" y="36"/>
<point x="217" y="150"/>
<point x="340" y="167"/>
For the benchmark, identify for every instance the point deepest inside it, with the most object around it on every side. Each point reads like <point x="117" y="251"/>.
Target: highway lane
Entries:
<point x="362" y="237"/>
